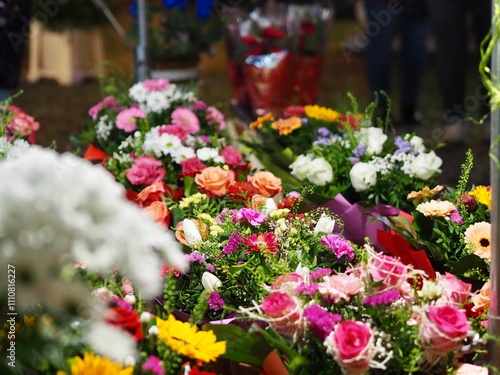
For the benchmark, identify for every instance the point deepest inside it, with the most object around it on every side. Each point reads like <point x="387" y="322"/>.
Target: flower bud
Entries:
<point x="210" y="282"/>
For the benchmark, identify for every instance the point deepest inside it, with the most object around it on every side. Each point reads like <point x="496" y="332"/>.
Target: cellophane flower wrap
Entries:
<point x="378" y="316"/>
<point x="266" y="45"/>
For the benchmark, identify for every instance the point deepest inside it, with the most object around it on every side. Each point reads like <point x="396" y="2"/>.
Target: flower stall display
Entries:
<point x="452" y="226"/>
<point x="379" y="317"/>
<point x="235" y="253"/>
<point x="266" y="46"/>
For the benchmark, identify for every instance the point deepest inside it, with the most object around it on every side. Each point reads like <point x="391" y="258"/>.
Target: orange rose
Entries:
<point x="214" y="181"/>
<point x="159" y="212"/>
<point x="481" y="300"/>
<point x="151" y="193"/>
<point x="268" y="184"/>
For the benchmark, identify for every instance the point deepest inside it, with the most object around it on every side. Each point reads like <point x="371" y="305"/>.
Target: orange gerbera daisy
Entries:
<point x="259" y="123"/>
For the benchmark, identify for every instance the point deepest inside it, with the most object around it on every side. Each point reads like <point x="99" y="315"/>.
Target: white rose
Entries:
<point x="210" y="282"/>
<point x="424" y="165"/>
<point x="373" y="138"/>
<point x="363" y="175"/>
<point x="417" y="143"/>
<point x="320" y="172"/>
<point x="269" y="206"/>
<point x="300" y="166"/>
<point x="325" y="224"/>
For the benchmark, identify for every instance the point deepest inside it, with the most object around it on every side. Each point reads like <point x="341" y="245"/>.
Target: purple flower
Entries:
<point x="214" y="301"/>
<point x="359" y="151"/>
<point x="323" y="132"/>
<point x="308" y="289"/>
<point x="322" y="322"/>
<point x="195" y="257"/>
<point x="353" y="160"/>
<point x="153" y="364"/>
<point x="232" y="243"/>
<point x="385" y="298"/>
<point x="122" y="303"/>
<point x="402" y="145"/>
<point x="322" y="141"/>
<point x="455" y="217"/>
<point x="199" y="106"/>
<point x="338" y="245"/>
<point x="210" y="267"/>
<point x="254" y="217"/>
<point x="318" y="274"/>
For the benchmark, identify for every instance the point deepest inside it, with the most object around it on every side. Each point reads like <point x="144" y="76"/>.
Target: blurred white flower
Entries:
<point x="210" y="282"/>
<point x="110" y="341"/>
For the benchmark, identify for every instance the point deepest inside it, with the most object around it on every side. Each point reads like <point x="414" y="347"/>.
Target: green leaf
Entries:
<point x="245" y="346"/>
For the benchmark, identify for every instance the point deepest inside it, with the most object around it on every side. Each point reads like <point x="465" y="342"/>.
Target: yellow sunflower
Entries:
<point x="482" y="194"/>
<point x="478" y="237"/>
<point x="286" y="126"/>
<point x="424" y="193"/>
<point x="259" y="123"/>
<point x="92" y="364"/>
<point x="436" y="208"/>
<point x="185" y="339"/>
<point x="321" y="113"/>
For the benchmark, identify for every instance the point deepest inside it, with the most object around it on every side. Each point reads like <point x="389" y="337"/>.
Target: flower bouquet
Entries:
<point x="379" y="317"/>
<point x="452" y="226"/>
<point x="17" y="131"/>
<point x="268" y="45"/>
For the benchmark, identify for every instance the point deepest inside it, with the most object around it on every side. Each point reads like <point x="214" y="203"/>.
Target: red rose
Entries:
<point x="128" y="320"/>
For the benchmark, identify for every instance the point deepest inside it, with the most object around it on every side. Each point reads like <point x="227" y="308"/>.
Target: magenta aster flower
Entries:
<point x="215" y="302"/>
<point x="319" y="273"/>
<point x="322" y="322"/>
<point x="338" y="245"/>
<point x="385" y="298"/>
<point x="254" y="217"/>
<point x="195" y="257"/>
<point x="263" y="242"/>
<point x="127" y="119"/>
<point x="187" y="118"/>
<point x="307" y="289"/>
<point x="455" y="217"/>
<point x="154" y="365"/>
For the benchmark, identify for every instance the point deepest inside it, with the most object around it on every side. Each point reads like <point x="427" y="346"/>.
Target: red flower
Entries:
<point x="192" y="166"/>
<point x="241" y="191"/>
<point x="263" y="242"/>
<point x="272" y="32"/>
<point x="196" y="371"/>
<point x="128" y="320"/>
<point x="287" y="202"/>
<point x="308" y="28"/>
<point x="248" y="40"/>
<point x="354" y="121"/>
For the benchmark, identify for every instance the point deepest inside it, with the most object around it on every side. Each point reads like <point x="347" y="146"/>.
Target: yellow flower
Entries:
<point x="482" y="194"/>
<point x="92" y="364"/>
<point x="29" y="320"/>
<point x="478" y="237"/>
<point x="436" y="208"/>
<point x="185" y="339"/>
<point x="321" y="113"/>
<point x="286" y="126"/>
<point x="259" y="123"/>
<point x="192" y="199"/>
<point x="417" y="196"/>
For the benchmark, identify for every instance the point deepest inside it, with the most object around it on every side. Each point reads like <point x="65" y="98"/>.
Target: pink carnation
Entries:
<point x="216" y="117"/>
<point x="340" y="287"/>
<point x="178" y="130"/>
<point x="185" y="117"/>
<point x="107" y="102"/>
<point x="232" y="157"/>
<point x="156" y="84"/>
<point x="145" y="171"/>
<point x="127" y="119"/>
<point x="192" y="166"/>
<point x="22" y="124"/>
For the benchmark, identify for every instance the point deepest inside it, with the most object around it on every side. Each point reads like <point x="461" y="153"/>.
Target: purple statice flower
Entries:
<point x="320" y="273"/>
<point x="455" y="217"/>
<point x="323" y="132"/>
<point x="359" y="151"/>
<point x="195" y="257"/>
<point x="122" y="303"/>
<point x="385" y="298"/>
<point x="353" y="160"/>
<point x="402" y="145"/>
<point x="153" y="365"/>
<point x="307" y="289"/>
<point x="338" y="245"/>
<point x="322" y="322"/>
<point x="232" y="243"/>
<point x="254" y="217"/>
<point x="210" y="267"/>
<point x="214" y="301"/>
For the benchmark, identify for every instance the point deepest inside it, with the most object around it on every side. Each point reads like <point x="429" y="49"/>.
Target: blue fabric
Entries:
<point x="204" y="8"/>
<point x="181" y="4"/>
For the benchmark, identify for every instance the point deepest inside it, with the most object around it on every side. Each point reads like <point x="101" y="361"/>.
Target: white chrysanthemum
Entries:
<point x="138" y="92"/>
<point x="160" y="145"/>
<point x="182" y="153"/>
<point x="57" y="209"/>
<point x="103" y="128"/>
<point x="12" y="149"/>
<point x="156" y="102"/>
<point x="207" y="153"/>
<point x="111" y="342"/>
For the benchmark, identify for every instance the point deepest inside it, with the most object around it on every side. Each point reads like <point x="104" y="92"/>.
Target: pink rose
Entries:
<point x="156" y="84"/>
<point x="388" y="270"/>
<point x="127" y="288"/>
<point x="192" y="166"/>
<point x="350" y="344"/>
<point x="216" y="117"/>
<point x="107" y="102"/>
<point x="285" y="311"/>
<point x="145" y="171"/>
<point x="444" y="328"/>
<point x="127" y="119"/>
<point x="232" y="157"/>
<point x="340" y="287"/>
<point x="186" y="118"/>
<point x="22" y="124"/>
<point x="178" y="130"/>
<point x="455" y="291"/>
